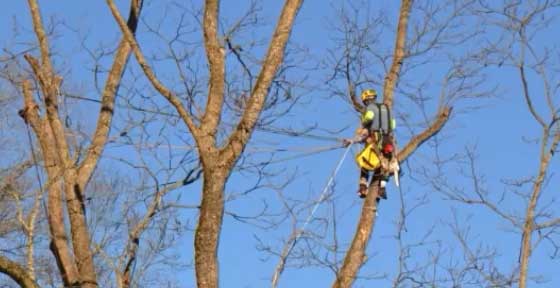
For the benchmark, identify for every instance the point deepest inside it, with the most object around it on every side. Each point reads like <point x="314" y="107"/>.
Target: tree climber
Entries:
<point x="376" y="132"/>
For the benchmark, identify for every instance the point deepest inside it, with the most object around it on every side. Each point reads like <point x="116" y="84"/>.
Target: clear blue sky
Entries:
<point x="498" y="129"/>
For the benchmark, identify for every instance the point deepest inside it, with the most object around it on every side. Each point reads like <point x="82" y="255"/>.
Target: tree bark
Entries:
<point x="356" y="255"/>
<point x="430" y="131"/>
<point x="207" y="233"/>
<point x="17" y="273"/>
<point x="79" y="230"/>
<point x="274" y="58"/>
<point x="399" y="54"/>
<point x="55" y="214"/>
<point x="215" y="54"/>
<point x="110" y="90"/>
<point x="529" y="225"/>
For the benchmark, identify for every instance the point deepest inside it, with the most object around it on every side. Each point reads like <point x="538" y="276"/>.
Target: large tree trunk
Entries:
<point x="356" y="256"/>
<point x="207" y="234"/>
<point x="217" y="161"/>
<point x="79" y="231"/>
<point x="55" y="208"/>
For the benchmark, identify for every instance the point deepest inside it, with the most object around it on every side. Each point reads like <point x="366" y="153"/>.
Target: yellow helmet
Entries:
<point x="368" y="94"/>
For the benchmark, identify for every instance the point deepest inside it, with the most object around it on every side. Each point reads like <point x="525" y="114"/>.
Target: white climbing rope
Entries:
<point x="321" y="197"/>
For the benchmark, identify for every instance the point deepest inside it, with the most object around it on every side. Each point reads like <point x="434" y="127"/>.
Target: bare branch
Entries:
<point x="41" y="35"/>
<point x="108" y="100"/>
<point x="417" y="140"/>
<point x="164" y="91"/>
<point x="548" y="224"/>
<point x="215" y="54"/>
<point x="274" y="57"/>
<point x="137" y="231"/>
<point x="528" y="97"/>
<point x="393" y="76"/>
<point x="17" y="273"/>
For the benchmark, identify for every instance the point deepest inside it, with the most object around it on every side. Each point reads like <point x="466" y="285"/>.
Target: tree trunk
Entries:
<point x="529" y="226"/>
<point x="525" y="251"/>
<point x="79" y="230"/>
<point x="55" y="208"/>
<point x="207" y="234"/>
<point x="356" y="255"/>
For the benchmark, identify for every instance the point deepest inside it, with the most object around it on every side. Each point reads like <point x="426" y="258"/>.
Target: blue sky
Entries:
<point x="498" y="130"/>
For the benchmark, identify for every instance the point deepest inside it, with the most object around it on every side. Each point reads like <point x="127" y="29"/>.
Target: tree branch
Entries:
<point x="548" y="224"/>
<point x="17" y="273"/>
<point x="108" y="100"/>
<point x="142" y="225"/>
<point x="528" y="97"/>
<point x="215" y="54"/>
<point x="49" y="82"/>
<point x="164" y="91"/>
<point x="274" y="57"/>
<point x="352" y="89"/>
<point x="398" y="57"/>
<point x="417" y="140"/>
<point x="41" y="35"/>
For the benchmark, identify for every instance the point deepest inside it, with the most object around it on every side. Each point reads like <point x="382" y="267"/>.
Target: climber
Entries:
<point x="376" y="132"/>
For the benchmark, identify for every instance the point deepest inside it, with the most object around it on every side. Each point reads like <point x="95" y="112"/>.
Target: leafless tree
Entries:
<point x="221" y="103"/>
<point x="360" y="60"/>
<point x="67" y="177"/>
<point x="515" y="48"/>
<point x="219" y="153"/>
<point x="525" y="23"/>
<point x="69" y="157"/>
